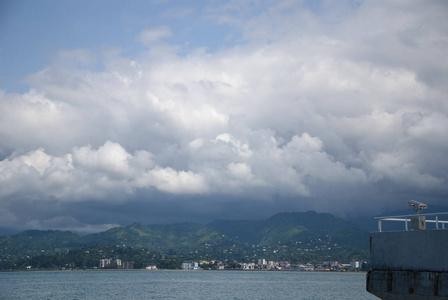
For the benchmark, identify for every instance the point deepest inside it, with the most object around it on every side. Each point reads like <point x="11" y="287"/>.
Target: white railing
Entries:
<point x="407" y="218"/>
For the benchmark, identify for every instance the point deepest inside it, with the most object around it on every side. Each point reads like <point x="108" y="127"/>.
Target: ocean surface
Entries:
<point x="182" y="285"/>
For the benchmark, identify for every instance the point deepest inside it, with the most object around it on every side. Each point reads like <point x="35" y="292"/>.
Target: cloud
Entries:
<point x="309" y="107"/>
<point x="110" y="158"/>
<point x="175" y="182"/>
<point x="149" y="36"/>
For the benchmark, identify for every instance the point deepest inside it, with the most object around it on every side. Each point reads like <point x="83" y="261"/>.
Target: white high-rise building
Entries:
<point x="355" y="264"/>
<point x="190" y="266"/>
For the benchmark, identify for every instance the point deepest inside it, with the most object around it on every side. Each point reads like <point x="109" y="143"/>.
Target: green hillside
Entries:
<point x="296" y="237"/>
<point x="37" y="242"/>
<point x="180" y="237"/>
<point x="290" y="227"/>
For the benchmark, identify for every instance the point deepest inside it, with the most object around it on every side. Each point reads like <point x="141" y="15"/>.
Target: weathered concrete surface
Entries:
<point x="409" y="264"/>
<point x="389" y="284"/>
<point x="424" y="250"/>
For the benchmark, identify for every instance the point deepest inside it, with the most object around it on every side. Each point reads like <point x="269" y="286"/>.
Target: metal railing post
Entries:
<point x="433" y="218"/>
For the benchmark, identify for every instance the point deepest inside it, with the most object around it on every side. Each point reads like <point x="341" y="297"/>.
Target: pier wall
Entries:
<point x="409" y="264"/>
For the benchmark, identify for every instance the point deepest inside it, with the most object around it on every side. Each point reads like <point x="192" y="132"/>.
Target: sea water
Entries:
<point x="182" y="285"/>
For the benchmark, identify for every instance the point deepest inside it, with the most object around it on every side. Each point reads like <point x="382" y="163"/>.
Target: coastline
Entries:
<point x="179" y="270"/>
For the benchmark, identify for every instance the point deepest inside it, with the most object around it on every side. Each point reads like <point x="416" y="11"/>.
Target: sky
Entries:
<point x="114" y="112"/>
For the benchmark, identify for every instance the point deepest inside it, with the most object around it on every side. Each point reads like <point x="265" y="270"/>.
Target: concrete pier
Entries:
<point x="409" y="264"/>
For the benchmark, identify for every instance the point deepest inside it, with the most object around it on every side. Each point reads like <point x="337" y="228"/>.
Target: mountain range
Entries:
<point x="287" y="236"/>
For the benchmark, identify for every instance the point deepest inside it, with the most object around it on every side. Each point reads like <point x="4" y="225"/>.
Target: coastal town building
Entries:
<point x="151" y="267"/>
<point x="332" y="264"/>
<point x="262" y="264"/>
<point x="307" y="267"/>
<point x="247" y="266"/>
<point x="104" y="263"/>
<point x="190" y="266"/>
<point x="115" y="264"/>
<point x="355" y="264"/>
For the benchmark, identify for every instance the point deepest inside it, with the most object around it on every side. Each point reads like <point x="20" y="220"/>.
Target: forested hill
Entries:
<point x="297" y="226"/>
<point x="179" y="237"/>
<point x="297" y="235"/>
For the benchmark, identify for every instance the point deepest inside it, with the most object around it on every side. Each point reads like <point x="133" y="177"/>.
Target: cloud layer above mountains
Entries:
<point x="340" y="107"/>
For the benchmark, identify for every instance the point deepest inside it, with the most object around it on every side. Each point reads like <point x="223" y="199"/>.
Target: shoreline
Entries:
<point x="180" y="270"/>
